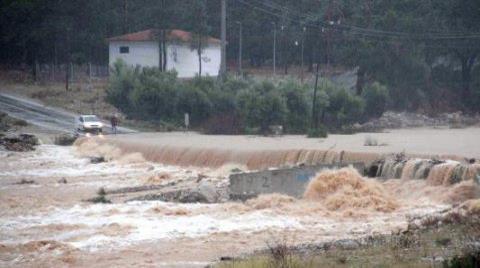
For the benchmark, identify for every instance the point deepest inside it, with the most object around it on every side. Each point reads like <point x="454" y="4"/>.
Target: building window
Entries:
<point x="124" y="50"/>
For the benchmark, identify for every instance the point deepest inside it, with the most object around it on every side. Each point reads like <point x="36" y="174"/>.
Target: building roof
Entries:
<point x="151" y="35"/>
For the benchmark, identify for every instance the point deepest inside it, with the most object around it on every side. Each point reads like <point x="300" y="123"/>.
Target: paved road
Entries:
<point x="43" y="116"/>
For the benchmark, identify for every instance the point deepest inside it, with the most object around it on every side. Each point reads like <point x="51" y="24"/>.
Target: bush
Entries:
<point x="195" y="102"/>
<point x="223" y="124"/>
<point x="344" y="108"/>
<point x="19" y="122"/>
<point x="233" y="84"/>
<point x="370" y="141"/>
<point x="376" y="98"/>
<point x="319" y="132"/>
<point x="261" y="106"/>
<point x="65" y="140"/>
<point x="154" y="98"/>
<point x="217" y="106"/>
<point x="298" y="108"/>
<point x="123" y="80"/>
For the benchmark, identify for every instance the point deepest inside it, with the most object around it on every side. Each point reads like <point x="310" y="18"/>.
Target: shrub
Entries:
<point x="319" y="132"/>
<point x="370" y="141"/>
<point x="233" y="84"/>
<point x="376" y="98"/>
<point x="344" y="108"/>
<point x="24" y="181"/>
<point x="154" y="97"/>
<point x="123" y="80"/>
<point x="100" y="199"/>
<point x="19" y="122"/>
<point x="261" y="106"/>
<point x="194" y="101"/>
<point x="297" y="107"/>
<point x="213" y="105"/>
<point x="65" y="140"/>
<point x="223" y="124"/>
<point x="45" y="93"/>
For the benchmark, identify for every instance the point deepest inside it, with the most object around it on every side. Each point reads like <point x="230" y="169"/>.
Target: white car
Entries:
<point x="88" y="124"/>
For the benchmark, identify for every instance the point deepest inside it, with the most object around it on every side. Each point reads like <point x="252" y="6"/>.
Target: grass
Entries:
<point x="370" y="141"/>
<point x="438" y="245"/>
<point x="24" y="181"/>
<point x="65" y="140"/>
<point x="100" y="198"/>
<point x="320" y="132"/>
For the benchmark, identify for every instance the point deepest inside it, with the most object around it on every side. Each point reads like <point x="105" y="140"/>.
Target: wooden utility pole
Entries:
<point x="303" y="45"/>
<point x="314" y="104"/>
<point x="223" y="24"/>
<point x="239" y="48"/>
<point x="125" y="16"/>
<point x="274" y="48"/>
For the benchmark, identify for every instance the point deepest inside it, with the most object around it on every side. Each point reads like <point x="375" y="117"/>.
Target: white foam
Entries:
<point x="58" y="161"/>
<point x="144" y="225"/>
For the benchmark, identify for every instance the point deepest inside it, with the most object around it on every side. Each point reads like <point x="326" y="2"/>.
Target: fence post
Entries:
<point x="89" y="70"/>
<point x="53" y="72"/>
<point x="67" y="77"/>
<point x="71" y="72"/>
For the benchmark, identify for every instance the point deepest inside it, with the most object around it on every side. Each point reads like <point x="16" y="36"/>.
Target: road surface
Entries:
<point x="43" y="116"/>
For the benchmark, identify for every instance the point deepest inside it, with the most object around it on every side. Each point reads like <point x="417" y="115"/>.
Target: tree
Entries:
<point x="200" y="29"/>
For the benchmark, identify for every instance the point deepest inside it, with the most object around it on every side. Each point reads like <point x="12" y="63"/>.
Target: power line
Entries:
<point x="302" y="19"/>
<point x="365" y="30"/>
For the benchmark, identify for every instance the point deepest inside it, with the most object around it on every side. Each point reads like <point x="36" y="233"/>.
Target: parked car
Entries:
<point x="88" y="124"/>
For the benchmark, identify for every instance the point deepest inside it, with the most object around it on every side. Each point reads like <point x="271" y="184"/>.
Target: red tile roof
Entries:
<point x="151" y="35"/>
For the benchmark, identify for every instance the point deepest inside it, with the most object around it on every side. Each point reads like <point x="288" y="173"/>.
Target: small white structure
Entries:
<point x="142" y="48"/>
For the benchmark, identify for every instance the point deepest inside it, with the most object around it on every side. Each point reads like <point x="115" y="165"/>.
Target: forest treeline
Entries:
<point x="426" y="52"/>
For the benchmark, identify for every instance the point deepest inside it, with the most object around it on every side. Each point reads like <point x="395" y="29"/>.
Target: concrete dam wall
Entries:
<point x="289" y="181"/>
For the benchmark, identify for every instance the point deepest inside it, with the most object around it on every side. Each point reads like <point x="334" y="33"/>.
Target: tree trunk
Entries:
<point x="164" y="50"/>
<point x="467" y="65"/>
<point x="199" y="51"/>
<point x="160" y="52"/>
<point x="360" y="80"/>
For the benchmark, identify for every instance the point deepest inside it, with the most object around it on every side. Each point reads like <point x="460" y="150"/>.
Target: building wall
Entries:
<point x="140" y="53"/>
<point x="180" y="57"/>
<point x="185" y="60"/>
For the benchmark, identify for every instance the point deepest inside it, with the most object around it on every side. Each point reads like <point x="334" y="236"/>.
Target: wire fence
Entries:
<point x="72" y="72"/>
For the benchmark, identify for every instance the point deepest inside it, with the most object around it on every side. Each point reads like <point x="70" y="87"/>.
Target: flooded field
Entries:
<point x="46" y="221"/>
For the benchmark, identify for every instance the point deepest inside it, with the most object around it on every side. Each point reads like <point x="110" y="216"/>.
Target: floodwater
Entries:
<point x="191" y="149"/>
<point x="46" y="223"/>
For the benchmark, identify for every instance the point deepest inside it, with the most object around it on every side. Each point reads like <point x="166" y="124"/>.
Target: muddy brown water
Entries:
<point x="46" y="224"/>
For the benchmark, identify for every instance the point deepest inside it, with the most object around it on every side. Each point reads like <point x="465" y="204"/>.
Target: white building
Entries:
<point x="142" y="48"/>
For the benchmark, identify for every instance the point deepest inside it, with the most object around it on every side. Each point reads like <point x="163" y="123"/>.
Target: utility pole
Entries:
<point x="303" y="46"/>
<point x="314" y="104"/>
<point x="284" y="49"/>
<point x="239" y="48"/>
<point x="223" y="25"/>
<point x="125" y="16"/>
<point x="274" y="48"/>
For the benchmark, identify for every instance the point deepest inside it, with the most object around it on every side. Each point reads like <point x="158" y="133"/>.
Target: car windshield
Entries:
<point x="90" y="118"/>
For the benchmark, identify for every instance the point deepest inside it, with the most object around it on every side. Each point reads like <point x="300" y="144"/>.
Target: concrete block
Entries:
<point x="289" y="181"/>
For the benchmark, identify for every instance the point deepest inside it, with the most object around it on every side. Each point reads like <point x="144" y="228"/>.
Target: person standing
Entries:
<point x="114" y="123"/>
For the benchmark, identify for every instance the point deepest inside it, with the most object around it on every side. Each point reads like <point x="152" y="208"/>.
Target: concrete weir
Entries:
<point x="289" y="181"/>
